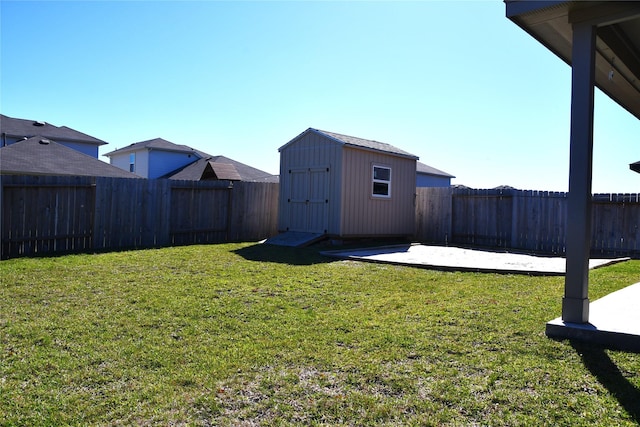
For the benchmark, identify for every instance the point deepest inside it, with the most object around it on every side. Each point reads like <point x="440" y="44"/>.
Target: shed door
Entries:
<point x="309" y="200"/>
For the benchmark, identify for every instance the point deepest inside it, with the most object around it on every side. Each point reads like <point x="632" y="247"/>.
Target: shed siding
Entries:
<point x="365" y="215"/>
<point x="351" y="210"/>
<point x="310" y="151"/>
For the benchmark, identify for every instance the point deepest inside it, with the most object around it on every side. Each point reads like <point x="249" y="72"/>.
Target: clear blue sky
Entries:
<point x="455" y="83"/>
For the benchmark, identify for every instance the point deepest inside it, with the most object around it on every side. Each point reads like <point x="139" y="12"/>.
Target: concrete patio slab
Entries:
<point x="614" y="321"/>
<point x="461" y="259"/>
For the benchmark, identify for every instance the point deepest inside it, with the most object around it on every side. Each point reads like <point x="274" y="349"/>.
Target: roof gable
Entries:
<point x="42" y="156"/>
<point x="197" y="170"/>
<point x="221" y="171"/>
<point x="355" y="142"/>
<point x="421" y="168"/>
<point x="21" y="128"/>
<point x="157" y="144"/>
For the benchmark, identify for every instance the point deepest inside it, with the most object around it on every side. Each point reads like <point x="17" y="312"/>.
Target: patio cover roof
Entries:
<point x="617" y="61"/>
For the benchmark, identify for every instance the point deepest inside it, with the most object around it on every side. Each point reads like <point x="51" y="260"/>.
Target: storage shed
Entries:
<point x="343" y="186"/>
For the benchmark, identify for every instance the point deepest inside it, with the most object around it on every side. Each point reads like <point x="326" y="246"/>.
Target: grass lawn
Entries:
<point x="243" y="334"/>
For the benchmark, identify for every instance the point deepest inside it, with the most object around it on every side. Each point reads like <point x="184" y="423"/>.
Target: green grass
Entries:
<point x="241" y="334"/>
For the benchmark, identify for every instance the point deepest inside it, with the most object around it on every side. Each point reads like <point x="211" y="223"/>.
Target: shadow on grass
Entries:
<point x="310" y="254"/>
<point x="597" y="361"/>
<point x="283" y="254"/>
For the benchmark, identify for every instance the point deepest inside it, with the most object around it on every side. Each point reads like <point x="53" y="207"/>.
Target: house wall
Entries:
<point x="161" y="162"/>
<point x="310" y="151"/>
<point x="88" y="149"/>
<point x="424" y="180"/>
<point x="365" y="215"/>
<point x="121" y="160"/>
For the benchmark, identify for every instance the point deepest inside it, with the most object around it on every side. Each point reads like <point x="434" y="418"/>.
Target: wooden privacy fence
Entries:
<point x="53" y="214"/>
<point x="49" y="214"/>
<point x="534" y="221"/>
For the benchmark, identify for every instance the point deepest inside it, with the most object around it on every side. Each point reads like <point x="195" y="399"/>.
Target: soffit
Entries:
<point x="617" y="42"/>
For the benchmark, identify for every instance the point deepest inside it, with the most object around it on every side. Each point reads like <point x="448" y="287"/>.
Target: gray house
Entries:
<point x="343" y="186"/>
<point x="159" y="158"/>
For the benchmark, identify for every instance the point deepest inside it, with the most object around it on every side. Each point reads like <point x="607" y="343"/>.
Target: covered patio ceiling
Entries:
<point x="617" y="54"/>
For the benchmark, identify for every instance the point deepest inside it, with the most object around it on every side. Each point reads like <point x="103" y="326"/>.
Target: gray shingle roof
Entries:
<point x="428" y="170"/>
<point x="357" y="142"/>
<point x="195" y="171"/>
<point x="224" y="171"/>
<point x="42" y="156"/>
<point x="20" y="128"/>
<point x="157" y="144"/>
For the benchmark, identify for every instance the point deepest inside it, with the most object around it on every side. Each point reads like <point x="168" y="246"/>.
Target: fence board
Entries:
<point x="43" y="215"/>
<point x="433" y="214"/>
<point x="254" y="211"/>
<point x="534" y="221"/>
<point x="199" y="212"/>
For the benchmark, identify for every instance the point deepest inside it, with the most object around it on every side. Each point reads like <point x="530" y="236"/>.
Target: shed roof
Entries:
<point x="20" y="128"/>
<point x="617" y="42"/>
<point x="157" y="144"/>
<point x="635" y="166"/>
<point x="42" y="156"/>
<point x="428" y="170"/>
<point x="352" y="141"/>
<point x="224" y="168"/>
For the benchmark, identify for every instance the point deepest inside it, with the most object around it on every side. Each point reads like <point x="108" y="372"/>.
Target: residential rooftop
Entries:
<point x="42" y="156"/>
<point x="23" y="128"/>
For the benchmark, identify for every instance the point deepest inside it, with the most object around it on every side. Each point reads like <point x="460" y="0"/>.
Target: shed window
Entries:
<point x="381" y="181"/>
<point x="132" y="162"/>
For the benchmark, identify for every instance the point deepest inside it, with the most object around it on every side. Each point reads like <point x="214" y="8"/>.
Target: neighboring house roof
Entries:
<point x="21" y="128"/>
<point x="224" y="171"/>
<point x="635" y="166"/>
<point x="353" y="141"/>
<point x="157" y="144"/>
<point x="205" y="165"/>
<point x="223" y="168"/>
<point x="421" y="168"/>
<point x="42" y="156"/>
